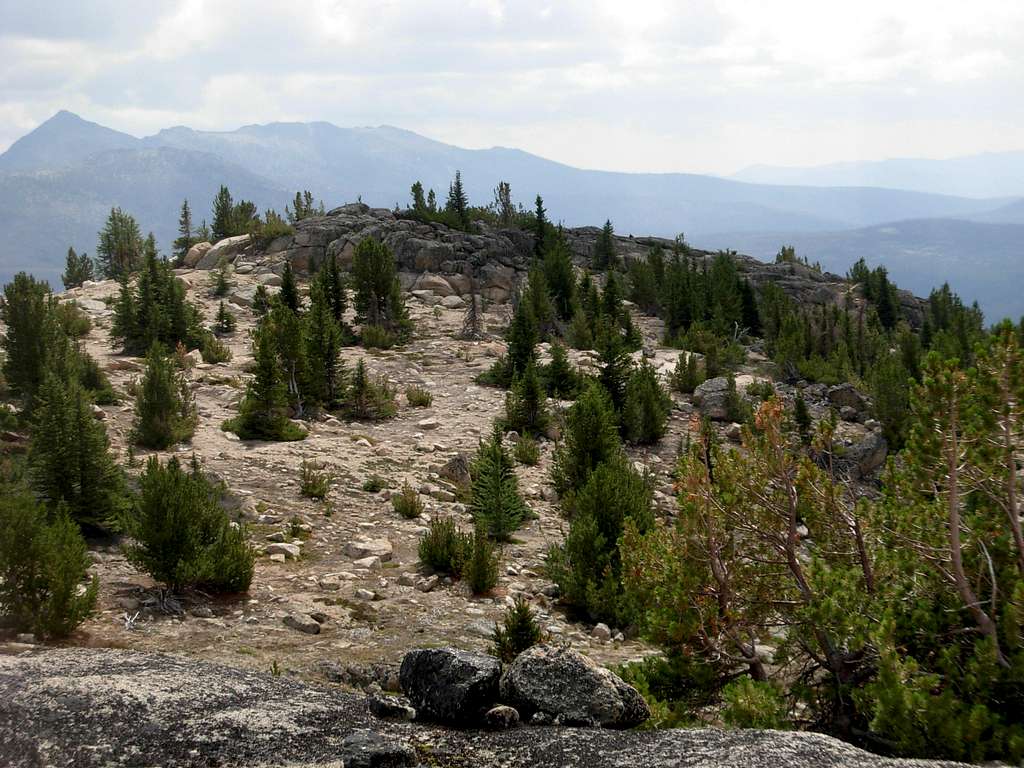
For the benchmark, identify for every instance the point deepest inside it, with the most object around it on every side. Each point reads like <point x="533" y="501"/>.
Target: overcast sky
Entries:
<point x="634" y="85"/>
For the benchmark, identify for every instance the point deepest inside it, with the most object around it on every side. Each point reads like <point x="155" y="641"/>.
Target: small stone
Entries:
<point x="429" y="423"/>
<point x="291" y="551"/>
<point x="302" y="623"/>
<point x="369" y="547"/>
<point x="366" y="749"/>
<point x="330" y="583"/>
<point x="276" y="537"/>
<point x="602" y="632"/>
<point x="391" y="707"/>
<point x="427" y="584"/>
<point x="202" y="612"/>
<point x="407" y="580"/>
<point x="502" y="717"/>
<point x="365" y="594"/>
<point x="26" y="637"/>
<point x="370" y="563"/>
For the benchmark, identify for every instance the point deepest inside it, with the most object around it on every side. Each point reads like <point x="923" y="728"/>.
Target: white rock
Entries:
<point x="291" y="551"/>
<point x="361" y="548"/>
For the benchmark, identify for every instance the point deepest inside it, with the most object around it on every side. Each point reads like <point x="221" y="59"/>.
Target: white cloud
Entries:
<point x="709" y="85"/>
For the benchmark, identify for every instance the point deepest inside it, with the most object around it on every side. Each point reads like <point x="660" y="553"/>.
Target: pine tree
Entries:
<point x="540" y="233"/>
<point x="223" y="215"/>
<point x="519" y="630"/>
<point x="480" y="571"/>
<point x="69" y="459"/>
<point x="332" y="280"/>
<point x="325" y="372"/>
<point x="522" y="339"/>
<point x="26" y="312"/>
<point x="419" y="204"/>
<point x="605" y="257"/>
<point x="431" y="201"/>
<point x="181" y="535"/>
<point x="225" y="322"/>
<point x="526" y="403"/>
<point x="686" y="376"/>
<point x="289" y="294"/>
<point x="560" y="379"/>
<point x="646" y="408"/>
<point x="589" y="439"/>
<point x="802" y="418"/>
<point x="458" y="203"/>
<point x="120" y="248"/>
<point x="378" y="292"/>
<point x="261" y="301"/>
<point x="262" y="414"/>
<point x="587" y="567"/>
<point x="560" y="278"/>
<point x="77" y="269"/>
<point x="539" y="299"/>
<point x="165" y="411"/>
<point x="503" y="205"/>
<point x="473" y="319"/>
<point x="616" y="364"/>
<point x="185" y="240"/>
<point x="497" y="507"/>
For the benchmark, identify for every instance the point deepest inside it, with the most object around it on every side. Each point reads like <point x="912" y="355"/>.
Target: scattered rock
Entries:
<point x="302" y="623"/>
<point x="501" y="717"/>
<point x="368" y="749"/>
<point x="196" y="253"/>
<point x="290" y="551"/>
<point x="847" y="395"/>
<point x="571" y="688"/>
<point x="390" y="707"/>
<point x="225" y="250"/>
<point x="450" y="685"/>
<point x="601" y="632"/>
<point x="369" y="548"/>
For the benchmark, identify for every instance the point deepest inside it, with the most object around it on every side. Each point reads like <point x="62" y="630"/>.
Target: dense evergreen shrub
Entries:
<point x="526" y="408"/>
<point x="497" y="507"/>
<point x="518" y="631"/>
<point x="646" y="408"/>
<point x="480" y="571"/>
<point x="43" y="562"/>
<point x="182" y="536"/>
<point x="165" y="411"/>
<point x="407" y="502"/>
<point x="444" y="548"/>
<point x="590" y="437"/>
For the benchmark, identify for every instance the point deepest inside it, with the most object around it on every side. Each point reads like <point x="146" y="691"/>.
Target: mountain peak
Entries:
<point x="63" y="140"/>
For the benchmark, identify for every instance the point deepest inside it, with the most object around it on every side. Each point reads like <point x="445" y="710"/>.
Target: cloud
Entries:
<point x="647" y="85"/>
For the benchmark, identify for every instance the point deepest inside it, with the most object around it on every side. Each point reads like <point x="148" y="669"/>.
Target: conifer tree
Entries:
<point x="225" y="322"/>
<point x="473" y="319"/>
<point x="686" y="376"/>
<point x="165" y="411"/>
<point x="646" y="407"/>
<point x="120" y="247"/>
<point x="522" y="339"/>
<point x="604" y="249"/>
<point x="69" y="459"/>
<point x="289" y="294"/>
<point x="615" y="362"/>
<point x="378" y="292"/>
<point x="261" y="301"/>
<point x="526" y="403"/>
<point x="332" y="280"/>
<point x="560" y="379"/>
<point x="185" y="239"/>
<point x="263" y="412"/>
<point x="26" y="313"/>
<point x="503" y="205"/>
<point x="497" y="507"/>
<point x="540" y="220"/>
<point x="802" y="418"/>
<point x="223" y="215"/>
<point x="77" y="269"/>
<point x="325" y="373"/>
<point x="458" y="203"/>
<point x="560" y="278"/>
<point x="419" y="203"/>
<point x="431" y="201"/>
<point x="590" y="438"/>
<point x="480" y="571"/>
<point x="539" y="299"/>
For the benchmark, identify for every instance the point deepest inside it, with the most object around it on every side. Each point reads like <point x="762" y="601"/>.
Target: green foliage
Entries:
<point x="324" y="375"/>
<point x="72" y="321"/>
<point x="526" y="408"/>
<point x="443" y="548"/>
<point x="802" y="418"/>
<point x="263" y="412"/>
<point x="407" y="503"/>
<point x="186" y="237"/>
<point x="155" y="310"/>
<point x="213" y="350"/>
<point x="616" y="364"/>
<point x="314" y="480"/>
<point x="43" y="562"/>
<point x="495" y="503"/>
<point x="686" y="376"/>
<point x="590" y="437"/>
<point x="559" y="277"/>
<point x="458" y="203"/>
<point x="268" y="230"/>
<point x="372" y="399"/>
<point x="646" y="408"/>
<point x="518" y="631"/>
<point x="480" y="570"/>
<point x="221" y="284"/>
<point x="303" y="207"/>
<point x="374" y="483"/>
<point x="261" y="301"/>
<point x="77" y="269"/>
<point x="332" y="282"/>
<point x="120" y="248"/>
<point x="605" y="257"/>
<point x="25" y="312"/>
<point x="418" y="397"/>
<point x="225" y="322"/>
<point x="736" y="407"/>
<point x="378" y="294"/>
<point x="560" y="380"/>
<point x="69" y="459"/>
<point x="231" y="219"/>
<point x="289" y="294"/>
<point x="165" y="412"/>
<point x="522" y="339"/>
<point x="182" y="536"/>
<point x="587" y="567"/>
<point x="527" y="451"/>
<point x="377" y="337"/>
<point x="753" y="704"/>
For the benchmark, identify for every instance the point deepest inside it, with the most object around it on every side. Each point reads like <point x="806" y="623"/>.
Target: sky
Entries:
<point x="640" y="85"/>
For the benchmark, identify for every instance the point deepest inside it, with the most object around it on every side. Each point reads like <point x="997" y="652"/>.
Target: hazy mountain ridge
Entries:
<point x="991" y="174"/>
<point x="58" y="183"/>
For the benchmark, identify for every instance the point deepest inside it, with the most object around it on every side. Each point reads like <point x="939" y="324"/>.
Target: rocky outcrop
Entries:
<point x="567" y="688"/>
<point x="196" y="253"/>
<point x="226" y="251"/>
<point x="710" y="396"/>
<point x="450" y="685"/>
<point x="104" y="707"/>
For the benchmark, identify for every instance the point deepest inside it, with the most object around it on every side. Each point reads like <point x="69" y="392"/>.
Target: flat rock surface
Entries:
<point x="103" y="707"/>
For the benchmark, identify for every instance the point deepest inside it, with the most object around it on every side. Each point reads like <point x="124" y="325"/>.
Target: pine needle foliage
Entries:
<point x="495" y="502"/>
<point x="518" y="631"/>
<point x="590" y="438"/>
<point x="165" y="411"/>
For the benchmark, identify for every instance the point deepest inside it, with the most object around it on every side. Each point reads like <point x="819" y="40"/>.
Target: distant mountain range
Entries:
<point x="58" y="182"/>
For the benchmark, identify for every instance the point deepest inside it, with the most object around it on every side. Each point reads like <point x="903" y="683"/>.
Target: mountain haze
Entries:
<point x="58" y="183"/>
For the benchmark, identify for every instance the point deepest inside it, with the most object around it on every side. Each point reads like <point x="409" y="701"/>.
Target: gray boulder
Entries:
<point x="846" y="396"/>
<point x="867" y="455"/>
<point x="196" y="253"/>
<point x="710" y="397"/>
<point x="570" y="688"/>
<point x="225" y="250"/>
<point x="450" y="685"/>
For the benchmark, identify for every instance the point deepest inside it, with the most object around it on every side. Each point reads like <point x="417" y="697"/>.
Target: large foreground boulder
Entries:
<point x="569" y="688"/>
<point x="450" y="685"/>
<point x="104" y="707"/>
